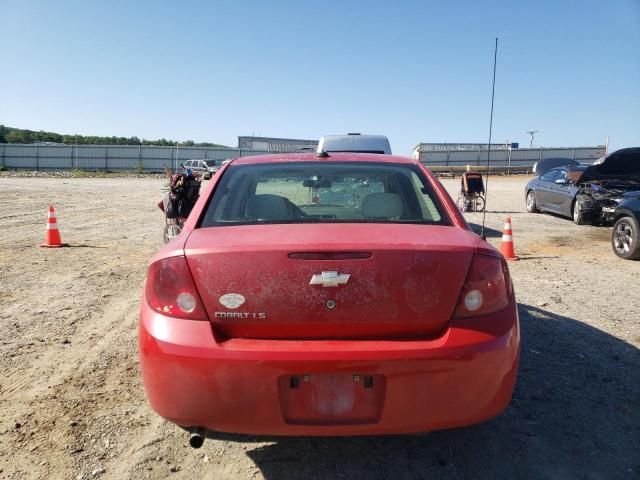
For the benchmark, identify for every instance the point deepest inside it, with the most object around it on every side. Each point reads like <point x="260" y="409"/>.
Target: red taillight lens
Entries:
<point x="170" y="290"/>
<point x="487" y="289"/>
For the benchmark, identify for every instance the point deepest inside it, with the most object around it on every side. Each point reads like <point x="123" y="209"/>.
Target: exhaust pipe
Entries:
<point x="197" y="437"/>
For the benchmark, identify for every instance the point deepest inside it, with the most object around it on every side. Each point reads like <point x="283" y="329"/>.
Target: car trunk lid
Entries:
<point x="309" y="281"/>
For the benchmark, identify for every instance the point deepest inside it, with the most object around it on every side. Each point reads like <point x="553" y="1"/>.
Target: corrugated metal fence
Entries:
<point x="109" y="157"/>
<point x="152" y="158"/>
<point x="516" y="157"/>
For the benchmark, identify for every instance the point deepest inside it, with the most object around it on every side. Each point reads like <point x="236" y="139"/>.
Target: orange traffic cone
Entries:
<point x="506" y="245"/>
<point x="52" y="237"/>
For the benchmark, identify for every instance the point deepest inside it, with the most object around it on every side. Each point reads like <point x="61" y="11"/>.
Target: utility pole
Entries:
<point x="532" y="133"/>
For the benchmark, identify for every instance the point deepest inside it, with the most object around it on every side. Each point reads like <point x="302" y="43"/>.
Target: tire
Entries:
<point x="578" y="215"/>
<point x="479" y="203"/>
<point x="171" y="231"/>
<point x="625" y="238"/>
<point x="532" y="207"/>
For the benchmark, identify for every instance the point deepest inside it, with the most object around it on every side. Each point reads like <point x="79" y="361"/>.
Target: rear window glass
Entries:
<point x="323" y="192"/>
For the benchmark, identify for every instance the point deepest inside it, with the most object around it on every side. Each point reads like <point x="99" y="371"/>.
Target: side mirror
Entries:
<point x="561" y="181"/>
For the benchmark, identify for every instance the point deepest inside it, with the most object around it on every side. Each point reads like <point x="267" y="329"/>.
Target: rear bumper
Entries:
<point x="464" y="377"/>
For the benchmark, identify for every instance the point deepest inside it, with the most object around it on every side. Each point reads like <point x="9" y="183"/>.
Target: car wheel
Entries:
<point x="625" y="239"/>
<point x="171" y="231"/>
<point x="531" y="202"/>
<point x="578" y="215"/>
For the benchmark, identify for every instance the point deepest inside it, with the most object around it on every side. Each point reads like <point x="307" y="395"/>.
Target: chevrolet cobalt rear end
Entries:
<point x="342" y="295"/>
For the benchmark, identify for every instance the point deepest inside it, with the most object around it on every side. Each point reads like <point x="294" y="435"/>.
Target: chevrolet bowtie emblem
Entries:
<point x="329" y="279"/>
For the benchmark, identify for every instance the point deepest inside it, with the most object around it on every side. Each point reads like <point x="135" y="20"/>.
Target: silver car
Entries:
<point x="207" y="168"/>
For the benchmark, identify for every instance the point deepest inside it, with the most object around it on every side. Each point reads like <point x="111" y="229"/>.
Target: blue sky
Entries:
<point x="414" y="71"/>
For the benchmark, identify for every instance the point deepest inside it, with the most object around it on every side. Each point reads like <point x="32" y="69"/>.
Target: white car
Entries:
<point x="207" y="168"/>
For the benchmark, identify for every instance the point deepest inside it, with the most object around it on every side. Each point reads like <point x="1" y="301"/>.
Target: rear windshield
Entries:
<point x="323" y="192"/>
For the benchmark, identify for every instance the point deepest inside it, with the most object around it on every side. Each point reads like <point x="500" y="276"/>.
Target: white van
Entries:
<point x="355" y="142"/>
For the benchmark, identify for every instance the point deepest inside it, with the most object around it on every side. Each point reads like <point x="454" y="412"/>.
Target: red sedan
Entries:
<point x="338" y="295"/>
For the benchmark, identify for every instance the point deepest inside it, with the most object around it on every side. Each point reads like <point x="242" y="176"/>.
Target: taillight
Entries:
<point x="487" y="289"/>
<point x="170" y="290"/>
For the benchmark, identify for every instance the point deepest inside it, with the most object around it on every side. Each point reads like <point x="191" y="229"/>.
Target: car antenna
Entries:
<point x="493" y="92"/>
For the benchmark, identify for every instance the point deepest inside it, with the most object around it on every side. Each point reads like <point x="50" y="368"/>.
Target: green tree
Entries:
<point x="18" y="136"/>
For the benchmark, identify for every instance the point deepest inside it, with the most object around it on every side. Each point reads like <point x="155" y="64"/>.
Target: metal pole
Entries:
<point x="493" y="92"/>
<point x="106" y="158"/>
<point x="37" y="155"/>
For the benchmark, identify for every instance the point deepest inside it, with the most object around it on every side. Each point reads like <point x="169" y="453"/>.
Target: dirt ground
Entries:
<point x="72" y="405"/>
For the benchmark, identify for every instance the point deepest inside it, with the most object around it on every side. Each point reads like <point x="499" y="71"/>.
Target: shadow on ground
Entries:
<point x="488" y="232"/>
<point x="574" y="415"/>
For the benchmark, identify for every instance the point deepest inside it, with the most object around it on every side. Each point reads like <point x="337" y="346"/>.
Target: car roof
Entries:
<point x="570" y="168"/>
<point x="333" y="157"/>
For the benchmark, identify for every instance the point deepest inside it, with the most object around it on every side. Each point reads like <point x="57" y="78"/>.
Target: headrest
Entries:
<point x="268" y="207"/>
<point x="382" y="205"/>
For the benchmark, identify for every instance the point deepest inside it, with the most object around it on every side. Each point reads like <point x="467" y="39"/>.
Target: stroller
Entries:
<point x="177" y="203"/>
<point x="471" y="197"/>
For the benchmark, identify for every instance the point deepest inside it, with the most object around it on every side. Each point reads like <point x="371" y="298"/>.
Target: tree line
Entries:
<point x="19" y="135"/>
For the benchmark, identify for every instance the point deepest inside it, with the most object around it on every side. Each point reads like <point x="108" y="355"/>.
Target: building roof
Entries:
<point x="275" y="139"/>
<point x="466" y="145"/>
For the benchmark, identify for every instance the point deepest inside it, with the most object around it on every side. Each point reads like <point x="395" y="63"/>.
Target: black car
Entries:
<point x="625" y="238"/>
<point x="588" y="194"/>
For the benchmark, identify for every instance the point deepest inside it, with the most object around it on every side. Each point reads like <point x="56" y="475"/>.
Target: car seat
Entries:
<point x="382" y="205"/>
<point x="269" y="207"/>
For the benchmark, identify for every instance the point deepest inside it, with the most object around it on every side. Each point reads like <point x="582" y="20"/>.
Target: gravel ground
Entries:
<point x="76" y="173"/>
<point x="72" y="406"/>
